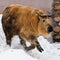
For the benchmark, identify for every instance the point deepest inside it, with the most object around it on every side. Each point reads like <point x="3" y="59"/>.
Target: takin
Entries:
<point x="26" y="22"/>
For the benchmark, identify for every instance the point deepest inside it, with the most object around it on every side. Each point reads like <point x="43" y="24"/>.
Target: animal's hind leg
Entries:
<point x="8" y="38"/>
<point x="8" y="41"/>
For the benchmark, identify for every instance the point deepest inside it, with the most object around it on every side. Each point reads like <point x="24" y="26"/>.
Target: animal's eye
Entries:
<point x="43" y="20"/>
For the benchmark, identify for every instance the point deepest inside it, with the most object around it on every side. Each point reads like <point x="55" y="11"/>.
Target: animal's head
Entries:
<point x="44" y="24"/>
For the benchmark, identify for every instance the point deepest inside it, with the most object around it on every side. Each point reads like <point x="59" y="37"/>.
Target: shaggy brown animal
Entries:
<point x="26" y="22"/>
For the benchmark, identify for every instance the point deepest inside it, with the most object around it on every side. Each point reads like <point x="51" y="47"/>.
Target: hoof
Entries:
<point x="40" y="49"/>
<point x="27" y="48"/>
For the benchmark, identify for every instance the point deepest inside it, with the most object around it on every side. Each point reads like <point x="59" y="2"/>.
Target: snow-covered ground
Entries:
<point x="17" y="52"/>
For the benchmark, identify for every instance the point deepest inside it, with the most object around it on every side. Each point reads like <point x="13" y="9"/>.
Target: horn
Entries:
<point x="44" y="15"/>
<point x="49" y="15"/>
<point x="39" y="15"/>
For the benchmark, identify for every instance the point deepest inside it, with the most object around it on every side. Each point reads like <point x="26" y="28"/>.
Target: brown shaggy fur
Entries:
<point x="26" y="23"/>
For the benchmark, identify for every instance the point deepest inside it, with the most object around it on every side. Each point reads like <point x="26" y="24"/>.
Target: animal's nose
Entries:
<point x="50" y="28"/>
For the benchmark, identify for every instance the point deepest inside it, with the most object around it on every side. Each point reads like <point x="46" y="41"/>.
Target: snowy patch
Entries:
<point x="57" y="45"/>
<point x="13" y="54"/>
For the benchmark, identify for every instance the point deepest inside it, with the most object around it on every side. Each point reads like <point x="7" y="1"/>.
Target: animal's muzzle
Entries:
<point x="50" y="28"/>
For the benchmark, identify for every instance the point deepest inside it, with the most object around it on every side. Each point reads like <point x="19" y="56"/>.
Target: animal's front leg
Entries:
<point x="36" y="43"/>
<point x="22" y="42"/>
<point x="39" y="47"/>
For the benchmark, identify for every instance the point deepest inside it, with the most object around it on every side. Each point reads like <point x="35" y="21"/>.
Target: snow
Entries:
<point x="17" y="52"/>
<point x="15" y="55"/>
